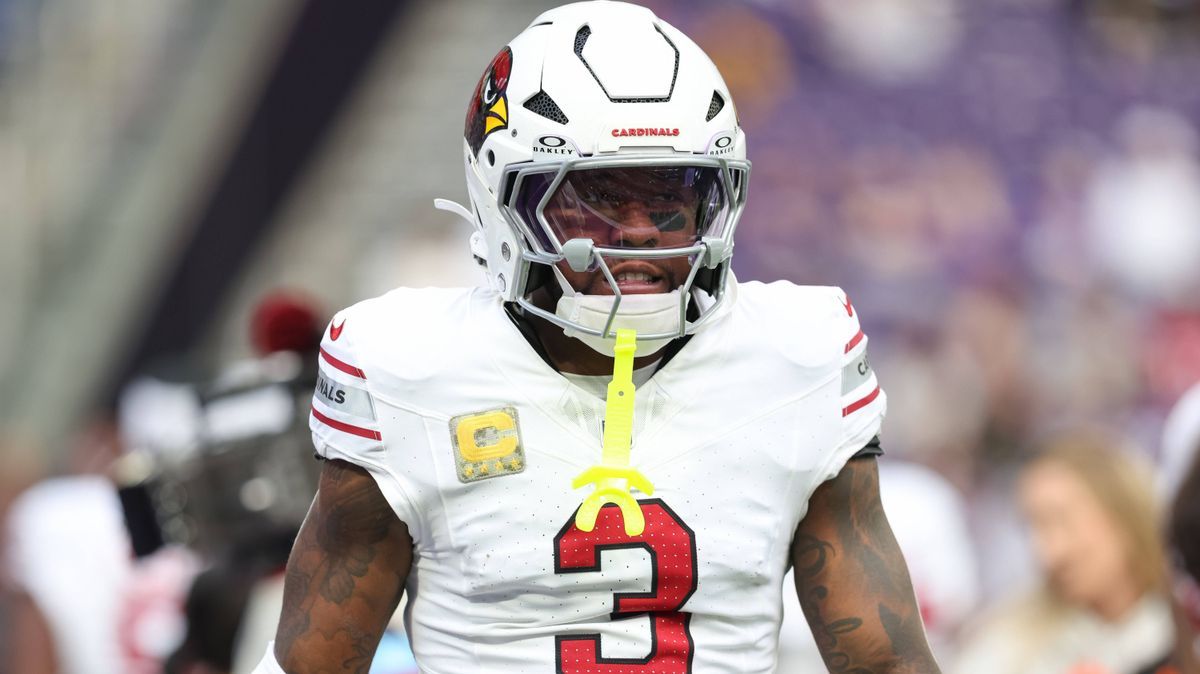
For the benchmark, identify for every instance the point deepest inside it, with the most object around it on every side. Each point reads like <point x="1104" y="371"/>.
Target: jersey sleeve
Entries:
<point x="346" y="414"/>
<point x="343" y="417"/>
<point x="863" y="403"/>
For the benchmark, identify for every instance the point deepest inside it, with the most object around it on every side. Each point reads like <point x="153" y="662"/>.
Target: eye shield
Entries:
<point x="632" y="207"/>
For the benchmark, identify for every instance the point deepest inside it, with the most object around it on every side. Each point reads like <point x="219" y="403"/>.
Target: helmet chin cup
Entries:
<point x="579" y="254"/>
<point x="659" y="316"/>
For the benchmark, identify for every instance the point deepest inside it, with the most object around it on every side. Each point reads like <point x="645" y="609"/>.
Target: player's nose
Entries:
<point x="636" y="229"/>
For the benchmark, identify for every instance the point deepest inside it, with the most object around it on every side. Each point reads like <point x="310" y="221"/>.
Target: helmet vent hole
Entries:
<point x="713" y="108"/>
<point x="541" y="104"/>
<point x="491" y="158"/>
<point x="581" y="38"/>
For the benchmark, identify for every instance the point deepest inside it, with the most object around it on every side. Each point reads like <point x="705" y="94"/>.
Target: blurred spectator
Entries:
<point x="220" y="470"/>
<point x="69" y="549"/>
<point x="1101" y="607"/>
<point x="25" y="638"/>
<point x="1180" y="442"/>
<point x="236" y="475"/>
<point x="218" y="601"/>
<point x="1142" y="29"/>
<point x="52" y="528"/>
<point x="1179" y="473"/>
<point x="1183" y="529"/>
<point x="894" y="41"/>
<point x="1144" y="207"/>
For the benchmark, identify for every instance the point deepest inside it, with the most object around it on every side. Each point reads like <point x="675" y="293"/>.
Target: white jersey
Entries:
<point x="474" y="441"/>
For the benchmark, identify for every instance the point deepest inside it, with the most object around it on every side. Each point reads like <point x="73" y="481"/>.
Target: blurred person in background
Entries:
<point x="25" y="638"/>
<point x="1183" y="530"/>
<point x="195" y="484"/>
<point x="1179" y="472"/>
<point x="1180" y="443"/>
<point x="1143" y="206"/>
<point x="235" y="484"/>
<point x="1102" y="608"/>
<point x="109" y="606"/>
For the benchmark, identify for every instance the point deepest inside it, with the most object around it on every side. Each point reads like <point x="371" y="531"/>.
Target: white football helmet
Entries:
<point x="598" y="110"/>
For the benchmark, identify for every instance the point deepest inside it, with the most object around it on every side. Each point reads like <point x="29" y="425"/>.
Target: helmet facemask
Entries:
<point x="631" y="242"/>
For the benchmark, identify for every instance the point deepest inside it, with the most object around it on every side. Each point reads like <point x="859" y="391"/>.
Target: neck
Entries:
<point x="567" y="354"/>
<point x="572" y="356"/>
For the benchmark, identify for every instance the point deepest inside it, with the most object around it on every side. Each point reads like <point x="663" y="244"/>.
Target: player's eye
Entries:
<point x="598" y="195"/>
<point x="668" y="221"/>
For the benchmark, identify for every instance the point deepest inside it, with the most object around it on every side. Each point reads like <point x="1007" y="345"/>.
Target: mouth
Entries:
<point x="636" y="278"/>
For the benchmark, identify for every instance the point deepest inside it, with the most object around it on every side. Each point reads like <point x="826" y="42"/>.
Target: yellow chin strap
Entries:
<point x="613" y="478"/>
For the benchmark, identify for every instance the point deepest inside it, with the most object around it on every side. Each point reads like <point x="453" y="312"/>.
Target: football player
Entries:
<point x="463" y="429"/>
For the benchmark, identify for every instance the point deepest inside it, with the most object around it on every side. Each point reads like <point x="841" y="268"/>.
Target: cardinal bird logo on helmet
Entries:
<point x="488" y="110"/>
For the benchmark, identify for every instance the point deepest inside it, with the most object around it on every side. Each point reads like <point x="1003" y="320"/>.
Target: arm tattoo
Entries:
<point x="811" y="554"/>
<point x="852" y="581"/>
<point x="352" y="528"/>
<point x="344" y="576"/>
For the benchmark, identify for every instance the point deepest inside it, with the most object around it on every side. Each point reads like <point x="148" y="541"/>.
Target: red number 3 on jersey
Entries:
<point x="672" y="548"/>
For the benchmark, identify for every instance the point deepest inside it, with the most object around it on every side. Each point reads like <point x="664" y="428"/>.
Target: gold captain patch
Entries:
<point x="487" y="444"/>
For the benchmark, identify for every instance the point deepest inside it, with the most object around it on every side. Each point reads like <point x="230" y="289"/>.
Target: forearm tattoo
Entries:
<point x="811" y="556"/>
<point x="853" y="584"/>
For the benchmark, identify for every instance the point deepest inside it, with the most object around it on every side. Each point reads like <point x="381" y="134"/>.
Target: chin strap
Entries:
<point x="613" y="478"/>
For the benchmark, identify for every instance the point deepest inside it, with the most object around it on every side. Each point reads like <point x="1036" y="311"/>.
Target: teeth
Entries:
<point x="633" y="276"/>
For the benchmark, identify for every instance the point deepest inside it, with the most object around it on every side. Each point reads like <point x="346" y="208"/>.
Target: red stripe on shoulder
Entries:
<point x="861" y="403"/>
<point x="343" y="366"/>
<point x="854" y="342"/>
<point x="347" y="428"/>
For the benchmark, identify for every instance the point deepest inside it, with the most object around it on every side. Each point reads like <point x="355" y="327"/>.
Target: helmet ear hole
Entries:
<point x="706" y="279"/>
<point x="539" y="275"/>
<point x="491" y="158"/>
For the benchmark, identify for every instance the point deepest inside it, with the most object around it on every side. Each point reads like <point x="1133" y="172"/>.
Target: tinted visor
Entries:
<point x="627" y="207"/>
